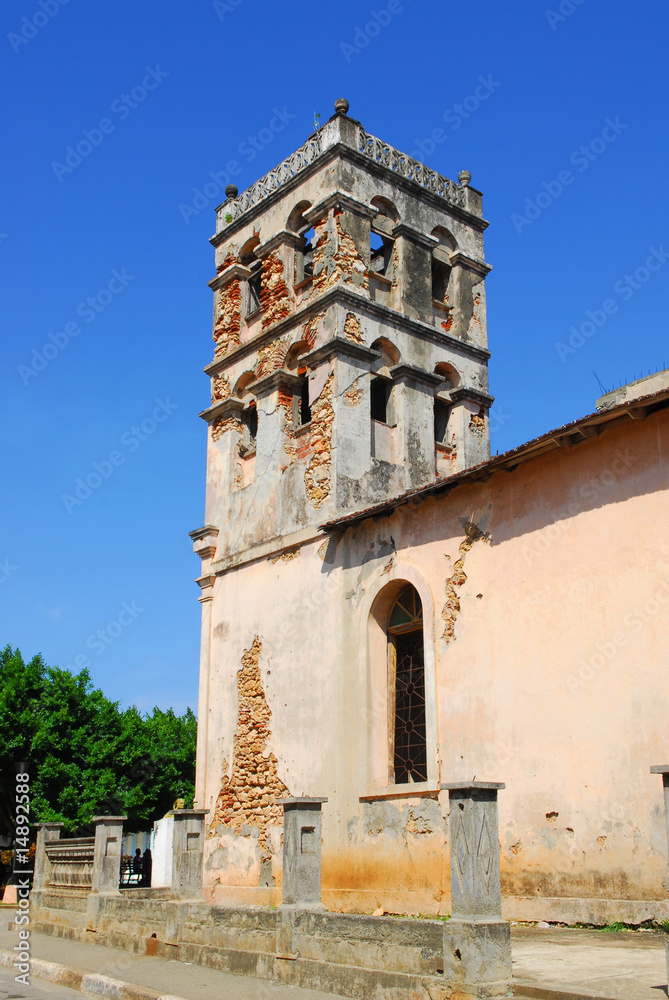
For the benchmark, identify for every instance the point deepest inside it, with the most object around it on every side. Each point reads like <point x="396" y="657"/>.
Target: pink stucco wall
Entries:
<point x="554" y="681"/>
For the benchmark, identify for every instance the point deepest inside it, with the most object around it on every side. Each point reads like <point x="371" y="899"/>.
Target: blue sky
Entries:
<point x="557" y="109"/>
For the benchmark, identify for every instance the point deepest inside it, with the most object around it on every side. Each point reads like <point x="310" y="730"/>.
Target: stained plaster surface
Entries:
<point x="517" y="674"/>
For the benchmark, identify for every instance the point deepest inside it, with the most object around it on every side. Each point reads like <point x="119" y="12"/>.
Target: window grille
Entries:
<point x="407" y="672"/>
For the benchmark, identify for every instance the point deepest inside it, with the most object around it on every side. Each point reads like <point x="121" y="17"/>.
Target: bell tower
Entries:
<point x="349" y="367"/>
<point x="350" y="345"/>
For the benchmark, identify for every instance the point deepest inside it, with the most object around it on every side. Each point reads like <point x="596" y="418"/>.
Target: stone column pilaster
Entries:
<point x="414" y="271"/>
<point x="415" y="418"/>
<point x="108" y="850"/>
<point x="47" y="833"/>
<point x="663" y="769"/>
<point x="350" y="446"/>
<point x="205" y="541"/>
<point x="302" y="832"/>
<point x="468" y="296"/>
<point x="477" y="941"/>
<point x="470" y="424"/>
<point x="188" y="851"/>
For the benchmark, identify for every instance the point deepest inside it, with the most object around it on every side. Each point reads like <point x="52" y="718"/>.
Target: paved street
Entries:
<point x="38" y="989"/>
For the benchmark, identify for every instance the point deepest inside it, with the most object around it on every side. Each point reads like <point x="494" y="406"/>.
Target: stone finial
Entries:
<point x="231" y="191"/>
<point x="341" y="106"/>
<point x="464" y="177"/>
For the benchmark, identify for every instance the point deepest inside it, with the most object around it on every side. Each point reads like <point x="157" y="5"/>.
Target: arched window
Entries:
<point x="380" y="395"/>
<point x="248" y="258"/>
<point x="407" y="687"/>
<point x="386" y="215"/>
<point x="442" y="414"/>
<point x="380" y="253"/>
<point x="449" y="374"/>
<point x="249" y="415"/>
<point x="304" y="254"/>
<point x="381" y="389"/>
<point x="305" y="407"/>
<point x="441" y="266"/>
<point x="250" y="425"/>
<point x="302" y="408"/>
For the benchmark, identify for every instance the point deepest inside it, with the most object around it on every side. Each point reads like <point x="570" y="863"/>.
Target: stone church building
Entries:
<point x="385" y="607"/>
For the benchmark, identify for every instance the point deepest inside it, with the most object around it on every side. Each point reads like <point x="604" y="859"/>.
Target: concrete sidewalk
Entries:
<point x="159" y="977"/>
<point x="624" y="966"/>
<point x="548" y="965"/>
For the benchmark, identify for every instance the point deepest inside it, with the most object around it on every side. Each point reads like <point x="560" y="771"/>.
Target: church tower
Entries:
<point x="350" y="347"/>
<point x="349" y="367"/>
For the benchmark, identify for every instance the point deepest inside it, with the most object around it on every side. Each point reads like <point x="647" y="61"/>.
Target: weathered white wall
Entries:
<point x="162" y="853"/>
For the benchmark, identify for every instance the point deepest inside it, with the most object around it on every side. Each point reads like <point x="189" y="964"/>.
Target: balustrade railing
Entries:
<point x="369" y="146"/>
<point x="285" y="171"/>
<point x="71" y="862"/>
<point x="412" y="169"/>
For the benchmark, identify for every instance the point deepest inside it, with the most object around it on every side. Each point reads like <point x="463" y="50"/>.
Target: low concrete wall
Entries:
<point x="334" y="952"/>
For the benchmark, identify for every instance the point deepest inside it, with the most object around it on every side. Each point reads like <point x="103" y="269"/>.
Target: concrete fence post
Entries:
<point x="188" y="852"/>
<point x="106" y="865"/>
<point x="663" y="769"/>
<point x="302" y="832"/>
<point x="46" y="833"/>
<point x="477" y="941"/>
<point x="107" y="856"/>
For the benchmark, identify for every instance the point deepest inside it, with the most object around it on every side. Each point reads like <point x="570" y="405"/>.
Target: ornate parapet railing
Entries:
<point x="317" y="145"/>
<point x="275" y="179"/>
<point x="404" y="165"/>
<point x="71" y="863"/>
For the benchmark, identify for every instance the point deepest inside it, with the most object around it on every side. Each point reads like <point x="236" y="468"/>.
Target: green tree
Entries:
<point x="85" y="755"/>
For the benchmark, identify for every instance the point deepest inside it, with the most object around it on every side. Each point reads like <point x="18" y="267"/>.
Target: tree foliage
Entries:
<point x="85" y="755"/>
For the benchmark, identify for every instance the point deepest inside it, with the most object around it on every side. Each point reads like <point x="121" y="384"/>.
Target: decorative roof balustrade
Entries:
<point x="413" y="170"/>
<point x="275" y="179"/>
<point x="315" y="147"/>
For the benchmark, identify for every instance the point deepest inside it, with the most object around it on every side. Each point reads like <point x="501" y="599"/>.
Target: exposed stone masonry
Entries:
<point x="272" y="356"/>
<point x="310" y="329"/>
<point x="221" y="388"/>
<point x="221" y="427"/>
<point x="229" y="318"/>
<point x="352" y="330"/>
<point x="336" y="257"/>
<point x="353" y="396"/>
<point x="249" y="797"/>
<point x="274" y="296"/>
<point x="317" y="474"/>
<point x="477" y="422"/>
<point x="457" y="578"/>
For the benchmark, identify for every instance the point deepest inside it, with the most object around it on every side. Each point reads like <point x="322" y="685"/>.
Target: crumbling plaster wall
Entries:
<point x="551" y="680"/>
<point x="299" y="478"/>
<point x="363" y="185"/>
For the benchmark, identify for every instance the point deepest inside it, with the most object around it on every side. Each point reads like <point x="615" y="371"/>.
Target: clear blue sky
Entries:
<point x="200" y="79"/>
